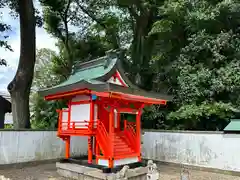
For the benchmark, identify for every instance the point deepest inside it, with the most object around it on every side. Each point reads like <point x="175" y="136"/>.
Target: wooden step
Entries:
<point x="128" y="155"/>
<point x="122" y="148"/>
<point x="120" y="143"/>
<point x="123" y="153"/>
<point x="119" y="148"/>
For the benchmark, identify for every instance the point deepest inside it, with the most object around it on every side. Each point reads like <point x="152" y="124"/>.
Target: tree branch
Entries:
<point x="93" y="17"/>
<point x="133" y="12"/>
<point x="64" y="17"/>
<point x="67" y="8"/>
<point x="90" y="14"/>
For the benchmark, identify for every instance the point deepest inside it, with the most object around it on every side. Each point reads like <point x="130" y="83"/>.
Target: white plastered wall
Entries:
<point x="80" y="113"/>
<point x="103" y="162"/>
<point x="95" y="115"/>
<point x="116" y="80"/>
<point x="64" y="119"/>
<point x="118" y="162"/>
<point x="124" y="161"/>
<point x="115" y="118"/>
<point x="26" y="146"/>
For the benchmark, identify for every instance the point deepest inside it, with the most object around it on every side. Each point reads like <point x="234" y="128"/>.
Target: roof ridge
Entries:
<point x="104" y="60"/>
<point x="93" y="60"/>
<point x="88" y="67"/>
<point x="89" y="64"/>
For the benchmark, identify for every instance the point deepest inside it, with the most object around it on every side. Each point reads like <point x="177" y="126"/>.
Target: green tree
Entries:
<point x="127" y="24"/>
<point x="43" y="76"/>
<point x="199" y="47"/>
<point x="115" y="24"/>
<point x="142" y="16"/>
<point x="72" y="20"/>
<point x="43" y="113"/>
<point x="20" y="86"/>
<point x="3" y="37"/>
<point x="57" y="18"/>
<point x="48" y="74"/>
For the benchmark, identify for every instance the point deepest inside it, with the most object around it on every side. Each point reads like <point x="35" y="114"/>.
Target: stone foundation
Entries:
<point x="75" y="171"/>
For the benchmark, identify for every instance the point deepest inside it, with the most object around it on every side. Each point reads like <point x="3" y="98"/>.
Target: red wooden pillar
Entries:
<point x="69" y="114"/>
<point x="95" y="145"/>
<point x="125" y="124"/>
<point x="138" y="133"/>
<point x="97" y="150"/>
<point x="67" y="139"/>
<point x="111" y="136"/>
<point x="90" y="138"/>
<point x="118" y="121"/>
<point x="67" y="147"/>
<point x="60" y="114"/>
<point x="90" y="150"/>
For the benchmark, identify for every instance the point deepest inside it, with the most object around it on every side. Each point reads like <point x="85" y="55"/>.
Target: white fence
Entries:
<point x="204" y="149"/>
<point x="212" y="150"/>
<point x="24" y="146"/>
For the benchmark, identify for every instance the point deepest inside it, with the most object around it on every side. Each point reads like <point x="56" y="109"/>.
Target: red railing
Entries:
<point x="112" y="144"/>
<point x="103" y="138"/>
<point x="131" y="126"/>
<point x="77" y="125"/>
<point x="130" y="134"/>
<point x="74" y="126"/>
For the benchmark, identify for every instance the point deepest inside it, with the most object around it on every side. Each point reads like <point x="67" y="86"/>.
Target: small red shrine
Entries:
<point x="98" y="92"/>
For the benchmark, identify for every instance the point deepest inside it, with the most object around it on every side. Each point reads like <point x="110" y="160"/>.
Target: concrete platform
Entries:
<point x="75" y="171"/>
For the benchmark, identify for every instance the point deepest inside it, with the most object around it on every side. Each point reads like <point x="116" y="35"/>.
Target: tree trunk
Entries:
<point x="141" y="49"/>
<point x="20" y="86"/>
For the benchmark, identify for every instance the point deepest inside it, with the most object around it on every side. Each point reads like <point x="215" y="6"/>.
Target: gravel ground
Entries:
<point x="48" y="172"/>
<point x="39" y="172"/>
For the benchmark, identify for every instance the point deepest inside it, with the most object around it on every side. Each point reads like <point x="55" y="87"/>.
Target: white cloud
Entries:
<point x="43" y="40"/>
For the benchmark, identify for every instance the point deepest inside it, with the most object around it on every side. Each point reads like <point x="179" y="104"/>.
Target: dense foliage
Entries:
<point x="49" y="71"/>
<point x="44" y="112"/>
<point x="3" y="37"/>
<point x="201" y="38"/>
<point x="188" y="49"/>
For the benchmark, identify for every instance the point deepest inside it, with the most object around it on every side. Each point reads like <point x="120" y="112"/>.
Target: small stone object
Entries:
<point x="185" y="174"/>
<point x="122" y="174"/>
<point x="152" y="169"/>
<point x="149" y="166"/>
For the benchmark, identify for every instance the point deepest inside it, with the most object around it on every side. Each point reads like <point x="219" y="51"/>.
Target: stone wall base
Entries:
<point x="79" y="172"/>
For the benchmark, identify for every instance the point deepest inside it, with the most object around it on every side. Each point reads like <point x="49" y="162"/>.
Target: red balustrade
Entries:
<point x="84" y="127"/>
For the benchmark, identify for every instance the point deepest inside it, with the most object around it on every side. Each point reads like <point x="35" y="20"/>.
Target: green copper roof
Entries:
<point x="234" y="125"/>
<point x="91" y="72"/>
<point x="94" y="74"/>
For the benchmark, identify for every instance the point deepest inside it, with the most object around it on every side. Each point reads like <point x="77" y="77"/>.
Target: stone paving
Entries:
<point x="48" y="172"/>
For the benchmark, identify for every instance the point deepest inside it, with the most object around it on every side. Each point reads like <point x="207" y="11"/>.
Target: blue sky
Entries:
<point x="43" y="40"/>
